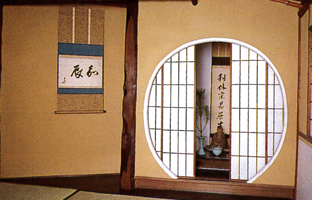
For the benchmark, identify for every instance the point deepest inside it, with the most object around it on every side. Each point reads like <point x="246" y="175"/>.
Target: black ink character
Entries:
<point x="221" y="87"/>
<point x="220" y="115"/>
<point x="221" y="95"/>
<point x="221" y="106"/>
<point x="90" y="72"/>
<point x="221" y="77"/>
<point x="77" y="72"/>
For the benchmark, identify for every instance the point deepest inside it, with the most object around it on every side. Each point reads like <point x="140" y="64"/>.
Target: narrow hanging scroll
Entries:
<point x="80" y="60"/>
<point x="220" y="86"/>
<point x="220" y="98"/>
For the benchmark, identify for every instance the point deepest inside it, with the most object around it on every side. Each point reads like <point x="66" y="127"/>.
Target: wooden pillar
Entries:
<point x="1" y="23"/>
<point x="129" y="102"/>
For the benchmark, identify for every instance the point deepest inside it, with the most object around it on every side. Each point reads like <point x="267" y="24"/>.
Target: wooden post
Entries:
<point x="129" y="102"/>
<point x="1" y="23"/>
<point x="305" y="7"/>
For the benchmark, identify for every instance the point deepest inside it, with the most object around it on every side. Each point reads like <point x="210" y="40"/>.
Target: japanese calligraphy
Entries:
<point x="221" y="106"/>
<point x="90" y="72"/>
<point x="221" y="87"/>
<point x="80" y="71"/>
<point x="77" y="72"/>
<point x="220" y="115"/>
<point x="221" y="77"/>
<point x="221" y="96"/>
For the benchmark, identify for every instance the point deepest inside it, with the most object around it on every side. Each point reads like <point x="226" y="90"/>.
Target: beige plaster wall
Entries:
<point x="268" y="26"/>
<point x="34" y="140"/>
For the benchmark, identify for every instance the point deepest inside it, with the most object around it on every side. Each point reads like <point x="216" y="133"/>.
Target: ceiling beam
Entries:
<point x="289" y="3"/>
<point x="304" y="8"/>
<point x="45" y="2"/>
<point x="115" y="3"/>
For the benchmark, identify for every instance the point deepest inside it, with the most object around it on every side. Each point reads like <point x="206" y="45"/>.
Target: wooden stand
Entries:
<point x="211" y="166"/>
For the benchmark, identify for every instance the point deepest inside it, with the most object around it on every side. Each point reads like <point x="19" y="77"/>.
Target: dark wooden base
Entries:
<point x="212" y="175"/>
<point x="163" y="188"/>
<point x="213" y="167"/>
<point x="217" y="169"/>
<point x="224" y="188"/>
<point x="171" y="194"/>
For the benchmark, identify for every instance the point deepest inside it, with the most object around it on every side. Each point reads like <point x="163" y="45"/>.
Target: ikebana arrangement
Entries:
<point x="202" y="118"/>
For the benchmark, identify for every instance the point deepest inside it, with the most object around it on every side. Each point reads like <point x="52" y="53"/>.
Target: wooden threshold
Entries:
<point x="217" y="187"/>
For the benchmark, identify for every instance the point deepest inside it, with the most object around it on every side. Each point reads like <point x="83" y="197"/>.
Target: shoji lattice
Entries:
<point x="171" y="113"/>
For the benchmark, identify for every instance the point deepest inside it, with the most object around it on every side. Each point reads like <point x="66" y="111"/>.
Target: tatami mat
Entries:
<point x="9" y="191"/>
<point x="100" y="196"/>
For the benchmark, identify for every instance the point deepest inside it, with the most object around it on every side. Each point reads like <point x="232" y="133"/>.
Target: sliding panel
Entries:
<point x="171" y="113"/>
<point x="258" y="113"/>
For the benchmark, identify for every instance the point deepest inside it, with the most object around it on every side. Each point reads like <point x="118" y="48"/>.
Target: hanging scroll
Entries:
<point x="220" y="86"/>
<point x="220" y="98"/>
<point x="80" y="60"/>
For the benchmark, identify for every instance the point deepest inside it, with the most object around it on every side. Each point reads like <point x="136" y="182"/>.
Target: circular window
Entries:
<point x="255" y="111"/>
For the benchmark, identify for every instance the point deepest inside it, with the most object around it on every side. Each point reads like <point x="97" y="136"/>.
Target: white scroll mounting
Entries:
<point x="80" y="71"/>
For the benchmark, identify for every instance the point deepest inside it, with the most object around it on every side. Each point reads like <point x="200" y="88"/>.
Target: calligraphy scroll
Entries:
<point x="220" y="97"/>
<point x="80" y="60"/>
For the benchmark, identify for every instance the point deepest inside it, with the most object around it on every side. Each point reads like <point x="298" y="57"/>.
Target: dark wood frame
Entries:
<point x="130" y="96"/>
<point x="308" y="136"/>
<point x="298" y="98"/>
<point x="304" y="8"/>
<point x="219" y="187"/>
<point x="304" y="136"/>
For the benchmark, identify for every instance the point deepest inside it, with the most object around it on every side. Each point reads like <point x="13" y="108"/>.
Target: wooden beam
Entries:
<point x="288" y="3"/>
<point x="129" y="102"/>
<point x="298" y="102"/>
<point x="217" y="187"/>
<point x="194" y="2"/>
<point x="1" y="24"/>
<point x="304" y="8"/>
<point x="305" y="137"/>
<point x="100" y="2"/>
<point x="115" y="3"/>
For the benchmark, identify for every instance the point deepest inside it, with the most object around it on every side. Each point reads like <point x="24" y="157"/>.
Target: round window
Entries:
<point x="244" y="94"/>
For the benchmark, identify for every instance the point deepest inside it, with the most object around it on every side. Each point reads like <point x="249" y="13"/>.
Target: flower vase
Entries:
<point x="201" y="150"/>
